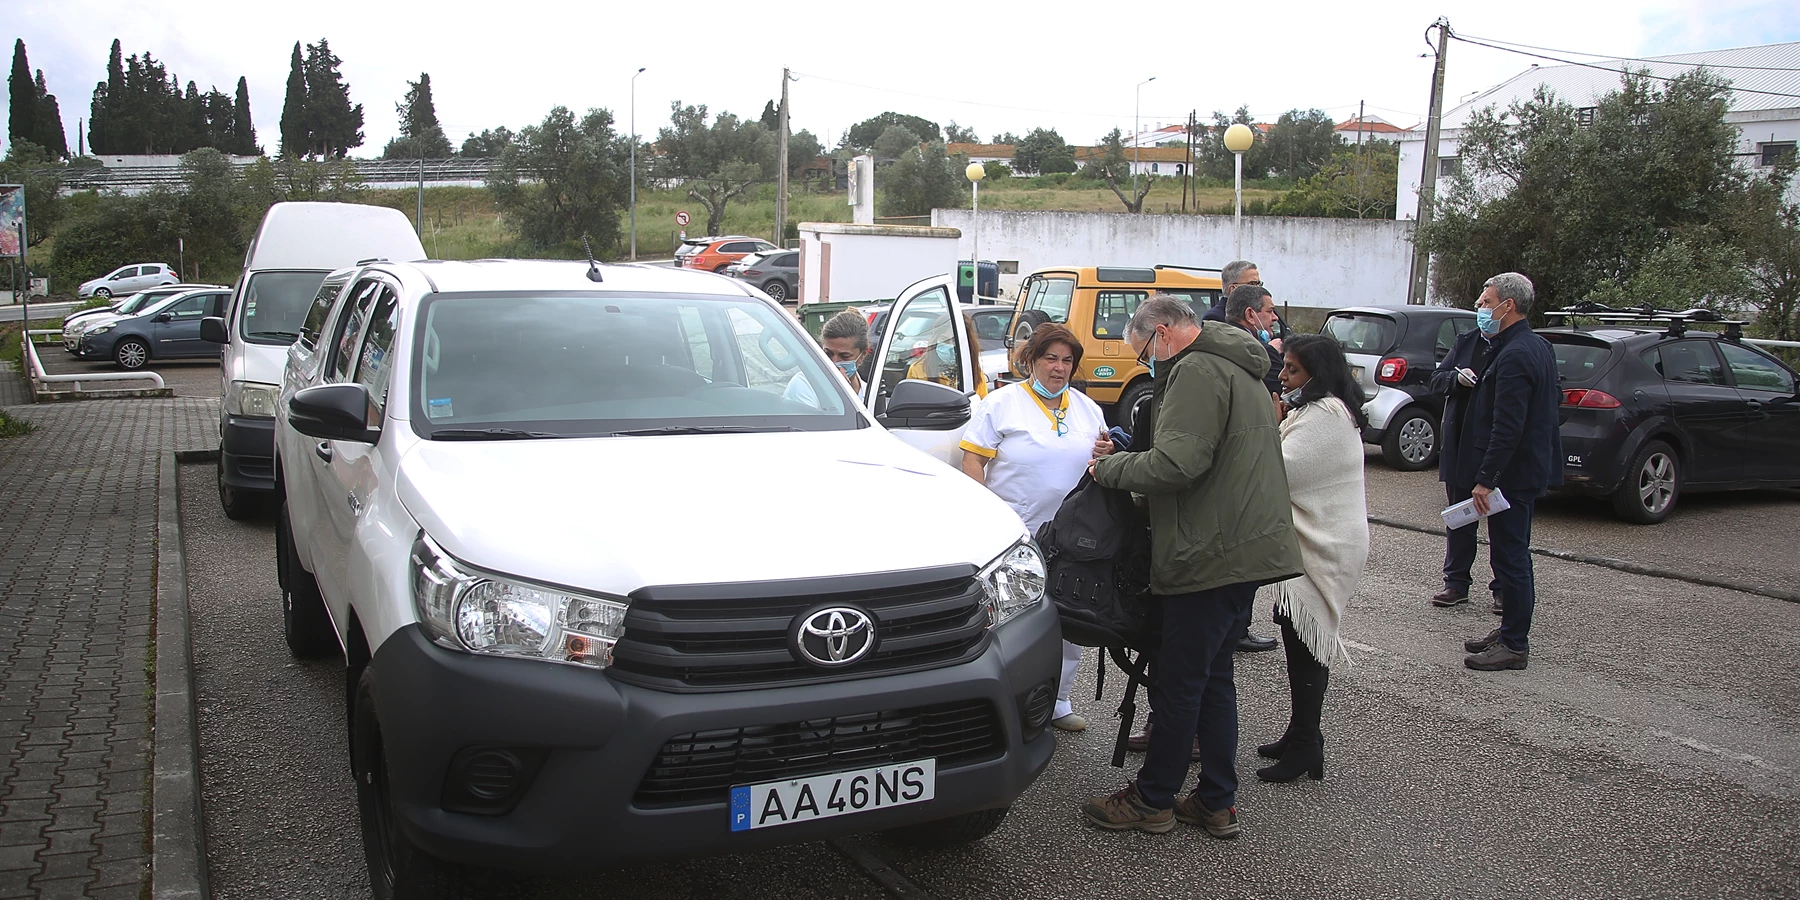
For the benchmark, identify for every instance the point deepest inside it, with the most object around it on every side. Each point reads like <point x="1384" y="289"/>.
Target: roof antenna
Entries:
<point x="593" y="272"/>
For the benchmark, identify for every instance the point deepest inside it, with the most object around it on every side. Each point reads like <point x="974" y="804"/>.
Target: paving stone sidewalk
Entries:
<point x="78" y="516"/>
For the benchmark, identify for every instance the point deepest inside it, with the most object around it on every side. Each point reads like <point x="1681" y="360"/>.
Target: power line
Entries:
<point x="1571" y="62"/>
<point x="1665" y="62"/>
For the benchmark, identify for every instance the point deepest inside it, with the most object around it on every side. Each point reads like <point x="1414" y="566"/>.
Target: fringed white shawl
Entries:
<point x="1323" y="452"/>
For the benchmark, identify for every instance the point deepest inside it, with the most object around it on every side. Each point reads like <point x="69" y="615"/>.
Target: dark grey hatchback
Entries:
<point x="168" y="329"/>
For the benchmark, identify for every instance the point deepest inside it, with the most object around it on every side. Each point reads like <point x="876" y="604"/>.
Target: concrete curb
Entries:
<point x="178" y="844"/>
<point x="1618" y="565"/>
<point x="183" y="457"/>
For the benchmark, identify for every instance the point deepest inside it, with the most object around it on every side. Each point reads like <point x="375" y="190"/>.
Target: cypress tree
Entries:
<point x="336" y="126"/>
<point x="295" y="125"/>
<point x="49" y="132"/>
<point x="103" y="129"/>
<point x="420" y="133"/>
<point x="21" y="119"/>
<point x="243" y="130"/>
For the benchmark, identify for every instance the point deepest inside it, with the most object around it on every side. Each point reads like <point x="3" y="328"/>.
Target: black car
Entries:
<point x="1392" y="352"/>
<point x="1653" y="411"/>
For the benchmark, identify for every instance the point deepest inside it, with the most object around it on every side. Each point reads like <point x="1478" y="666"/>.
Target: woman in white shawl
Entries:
<point x="1321" y="445"/>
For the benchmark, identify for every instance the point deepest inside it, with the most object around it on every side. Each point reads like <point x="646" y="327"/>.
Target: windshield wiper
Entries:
<point x="284" y="335"/>
<point x="489" y="434"/>
<point x="704" y="429"/>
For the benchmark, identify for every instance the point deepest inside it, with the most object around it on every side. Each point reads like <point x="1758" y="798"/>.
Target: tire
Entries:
<point x="131" y="354"/>
<point x="777" y="290"/>
<point x="398" y="870"/>
<point x="1029" y="320"/>
<point x="955" y="831"/>
<point x="103" y="293"/>
<point x="720" y="268"/>
<point x="1411" y="443"/>
<point x="238" y="505"/>
<point x="304" y="621"/>
<point x="1651" y="485"/>
<point x="1124" y="412"/>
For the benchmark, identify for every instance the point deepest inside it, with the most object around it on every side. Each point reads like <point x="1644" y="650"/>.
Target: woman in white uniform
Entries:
<point x="1030" y="443"/>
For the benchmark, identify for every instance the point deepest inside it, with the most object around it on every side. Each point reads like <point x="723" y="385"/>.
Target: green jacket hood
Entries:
<point x="1234" y="345"/>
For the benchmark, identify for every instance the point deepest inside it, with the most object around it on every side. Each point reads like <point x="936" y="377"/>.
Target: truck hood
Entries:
<point x="612" y="515"/>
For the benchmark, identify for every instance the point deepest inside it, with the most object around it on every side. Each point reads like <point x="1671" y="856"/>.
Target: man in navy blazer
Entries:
<point x="1454" y="380"/>
<point x="1508" y="440"/>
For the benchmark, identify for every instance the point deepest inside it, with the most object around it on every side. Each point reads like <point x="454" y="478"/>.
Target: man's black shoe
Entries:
<point x="1250" y="643"/>
<point x="1449" y="597"/>
<point x="1498" y="607"/>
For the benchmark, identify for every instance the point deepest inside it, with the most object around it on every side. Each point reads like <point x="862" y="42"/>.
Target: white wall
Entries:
<point x="869" y="266"/>
<point x="1306" y="262"/>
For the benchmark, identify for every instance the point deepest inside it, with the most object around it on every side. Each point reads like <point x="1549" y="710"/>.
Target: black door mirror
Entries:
<point x="162" y="317"/>
<point x="212" y="330"/>
<point x="338" y="412"/>
<point x="925" y="405"/>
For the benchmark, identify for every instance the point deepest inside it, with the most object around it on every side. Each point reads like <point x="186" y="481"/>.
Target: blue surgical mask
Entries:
<point x="848" y="367"/>
<point x="1484" y="320"/>
<point x="946" y="354"/>
<point x="1046" y="393"/>
<point x="1263" y="335"/>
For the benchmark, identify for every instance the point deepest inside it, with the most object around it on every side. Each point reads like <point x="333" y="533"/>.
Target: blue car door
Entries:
<point x="175" y="332"/>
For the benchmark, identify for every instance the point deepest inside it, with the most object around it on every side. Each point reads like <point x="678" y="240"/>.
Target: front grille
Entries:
<point x="728" y="637"/>
<point x="702" y="767"/>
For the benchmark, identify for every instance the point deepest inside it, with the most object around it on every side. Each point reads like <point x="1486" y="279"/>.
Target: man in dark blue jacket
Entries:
<point x="1454" y="380"/>
<point x="1508" y="440"/>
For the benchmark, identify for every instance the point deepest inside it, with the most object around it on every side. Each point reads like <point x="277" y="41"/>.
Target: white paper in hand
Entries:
<point x="1461" y="514"/>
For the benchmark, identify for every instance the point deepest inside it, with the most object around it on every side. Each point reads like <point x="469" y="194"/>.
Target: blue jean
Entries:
<point x="1195" y="695"/>
<point x="1509" y="536"/>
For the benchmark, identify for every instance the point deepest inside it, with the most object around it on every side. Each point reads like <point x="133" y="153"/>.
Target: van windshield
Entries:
<point x="275" y="303"/>
<point x="574" y="363"/>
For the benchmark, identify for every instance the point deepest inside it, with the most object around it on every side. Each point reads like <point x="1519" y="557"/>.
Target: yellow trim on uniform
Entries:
<point x="1063" y="404"/>
<point x="978" y="450"/>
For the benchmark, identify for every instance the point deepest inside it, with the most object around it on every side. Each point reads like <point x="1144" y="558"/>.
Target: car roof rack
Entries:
<point x="1674" y="323"/>
<point x="1189" y="268"/>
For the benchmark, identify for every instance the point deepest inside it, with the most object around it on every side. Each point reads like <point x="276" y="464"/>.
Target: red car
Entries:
<point x="715" y="253"/>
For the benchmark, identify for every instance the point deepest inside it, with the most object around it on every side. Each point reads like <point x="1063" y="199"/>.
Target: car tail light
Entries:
<point x="753" y="273"/>
<point x="1391" y="370"/>
<point x="1589" y="399"/>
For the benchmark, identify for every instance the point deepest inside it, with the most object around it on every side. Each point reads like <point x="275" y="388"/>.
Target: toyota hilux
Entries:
<point x="580" y="537"/>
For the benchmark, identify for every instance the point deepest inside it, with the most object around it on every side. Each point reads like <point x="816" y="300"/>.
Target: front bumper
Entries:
<point x="596" y="738"/>
<point x="247" y="453"/>
<point x="92" y="347"/>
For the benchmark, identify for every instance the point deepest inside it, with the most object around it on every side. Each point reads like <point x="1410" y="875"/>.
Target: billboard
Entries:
<point x="12" y="215"/>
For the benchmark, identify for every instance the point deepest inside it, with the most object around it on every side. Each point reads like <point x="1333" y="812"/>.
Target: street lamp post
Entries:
<point x="975" y="172"/>
<point x="1238" y="138"/>
<point x="634" y="143"/>
<point x="1137" y="104"/>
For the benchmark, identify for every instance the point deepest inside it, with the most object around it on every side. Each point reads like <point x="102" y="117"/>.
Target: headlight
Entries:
<point x="1014" y="582"/>
<point x="480" y="613"/>
<point x="251" y="398"/>
<point x="99" y="329"/>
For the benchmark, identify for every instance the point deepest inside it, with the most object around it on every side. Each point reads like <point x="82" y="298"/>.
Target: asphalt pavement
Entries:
<point x="186" y="377"/>
<point x="1651" y="750"/>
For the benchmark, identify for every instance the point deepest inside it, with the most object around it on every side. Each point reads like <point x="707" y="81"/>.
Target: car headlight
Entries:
<point x="1014" y="582"/>
<point x="476" y="612"/>
<point x="251" y="398"/>
<point x="98" y="329"/>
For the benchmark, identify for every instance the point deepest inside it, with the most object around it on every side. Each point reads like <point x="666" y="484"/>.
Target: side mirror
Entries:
<point x="925" y="405"/>
<point x="162" y="317"/>
<point x="213" y="331"/>
<point x="338" y="412"/>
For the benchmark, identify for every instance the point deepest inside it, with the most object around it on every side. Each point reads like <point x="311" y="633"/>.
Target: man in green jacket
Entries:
<point x="1221" y="524"/>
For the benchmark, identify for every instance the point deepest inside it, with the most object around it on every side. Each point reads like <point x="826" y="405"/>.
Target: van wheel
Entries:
<point x="398" y="870"/>
<point x="131" y="354"/>
<point x="955" y="831"/>
<point x="1411" y="443"/>
<point x="1125" y="412"/>
<point x="238" y="505"/>
<point x="304" y="621"/>
<point x="1029" y="320"/>
<point x="1651" y="486"/>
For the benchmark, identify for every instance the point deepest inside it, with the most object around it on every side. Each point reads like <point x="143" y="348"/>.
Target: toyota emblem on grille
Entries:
<point x="833" y="637"/>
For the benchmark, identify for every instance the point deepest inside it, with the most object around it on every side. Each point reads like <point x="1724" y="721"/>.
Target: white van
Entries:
<point x="296" y="246"/>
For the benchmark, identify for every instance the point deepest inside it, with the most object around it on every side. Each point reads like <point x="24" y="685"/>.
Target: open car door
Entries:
<point x="922" y="387"/>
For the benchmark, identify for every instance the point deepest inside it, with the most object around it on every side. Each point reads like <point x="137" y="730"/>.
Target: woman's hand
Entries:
<point x="1103" y="446"/>
<point x="1280" y="407"/>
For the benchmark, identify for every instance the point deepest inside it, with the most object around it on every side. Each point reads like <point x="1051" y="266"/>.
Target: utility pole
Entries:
<point x="419" y="139"/>
<point x="1421" y="267"/>
<point x="1361" y="106"/>
<point x="634" y="143"/>
<point x="781" y="163"/>
<point x="1188" y="173"/>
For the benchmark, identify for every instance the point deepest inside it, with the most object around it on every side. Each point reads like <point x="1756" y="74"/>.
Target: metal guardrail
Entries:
<point x="39" y="376"/>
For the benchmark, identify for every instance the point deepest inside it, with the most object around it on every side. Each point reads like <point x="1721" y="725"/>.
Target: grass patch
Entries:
<point x="11" y="427"/>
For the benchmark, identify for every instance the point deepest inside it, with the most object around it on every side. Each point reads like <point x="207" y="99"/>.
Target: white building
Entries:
<point x="1769" y="123"/>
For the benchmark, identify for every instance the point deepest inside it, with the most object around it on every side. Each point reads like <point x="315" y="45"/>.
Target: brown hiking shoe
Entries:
<point x="1449" y="597"/>
<point x="1497" y="657"/>
<point x="1222" y="824"/>
<point x="1125" y="810"/>
<point x="1480" y="644"/>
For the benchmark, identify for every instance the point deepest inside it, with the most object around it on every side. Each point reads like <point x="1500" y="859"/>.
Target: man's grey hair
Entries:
<point x="1160" y="309"/>
<point x="1245" y="298"/>
<point x="1235" y="270"/>
<point x="1512" y="286"/>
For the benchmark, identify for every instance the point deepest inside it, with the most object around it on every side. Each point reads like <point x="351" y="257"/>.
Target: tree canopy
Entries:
<point x="488" y="143"/>
<point x="317" y="118"/>
<point x="1353" y="183"/>
<point x="420" y="133"/>
<point x="32" y="113"/>
<point x="1300" y="143"/>
<point x="717" y="162"/>
<point x="1113" y="166"/>
<point x="863" y="135"/>
<point x="920" y="180"/>
<point x="1043" y="151"/>
<point x="142" y="108"/>
<point x="582" y="184"/>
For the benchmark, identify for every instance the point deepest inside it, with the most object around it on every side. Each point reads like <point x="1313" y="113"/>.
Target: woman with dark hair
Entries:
<point x="1321" y="447"/>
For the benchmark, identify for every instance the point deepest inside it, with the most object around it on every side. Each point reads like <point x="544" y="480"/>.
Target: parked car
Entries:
<point x="127" y="280"/>
<point x="1652" y="412"/>
<point x="715" y="253"/>
<point x="1392" y="352"/>
<point x="130" y="304"/>
<point x="535" y="687"/>
<point x="166" y="329"/>
<point x="776" y="272"/>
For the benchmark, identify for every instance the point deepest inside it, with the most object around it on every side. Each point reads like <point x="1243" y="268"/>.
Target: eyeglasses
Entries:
<point x="1238" y="284"/>
<point x="1062" y="427"/>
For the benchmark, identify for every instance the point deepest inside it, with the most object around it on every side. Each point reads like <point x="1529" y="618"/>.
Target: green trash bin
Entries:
<point x="814" y="315"/>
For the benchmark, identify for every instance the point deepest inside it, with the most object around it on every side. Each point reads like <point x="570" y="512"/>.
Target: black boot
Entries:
<point x="1292" y="647"/>
<point x="1305" y="750"/>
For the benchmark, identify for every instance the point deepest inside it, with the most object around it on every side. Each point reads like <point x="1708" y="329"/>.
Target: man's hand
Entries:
<point x="1466" y="376"/>
<point x="1091" y="464"/>
<point x="1276" y="343"/>
<point x="1103" y="446"/>
<point x="1480" y="495"/>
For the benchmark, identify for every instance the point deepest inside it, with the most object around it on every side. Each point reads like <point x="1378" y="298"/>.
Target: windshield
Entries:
<point x="275" y="303"/>
<point x="1359" y="333"/>
<point x="136" y="302"/>
<point x="581" y="364"/>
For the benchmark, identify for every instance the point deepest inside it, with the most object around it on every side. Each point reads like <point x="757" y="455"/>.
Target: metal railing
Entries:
<point x="39" y="376"/>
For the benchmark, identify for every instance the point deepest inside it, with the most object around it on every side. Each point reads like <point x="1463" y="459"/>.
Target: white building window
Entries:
<point x="1449" y="166"/>
<point x="1771" y="152"/>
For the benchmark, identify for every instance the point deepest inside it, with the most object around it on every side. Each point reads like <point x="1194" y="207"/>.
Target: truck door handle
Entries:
<point x="323" y="451"/>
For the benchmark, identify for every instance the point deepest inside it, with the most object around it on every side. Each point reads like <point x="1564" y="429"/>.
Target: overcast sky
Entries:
<point x="996" y="67"/>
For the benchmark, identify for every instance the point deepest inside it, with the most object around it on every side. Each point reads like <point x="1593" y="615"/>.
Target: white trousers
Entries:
<point x="1071" y="662"/>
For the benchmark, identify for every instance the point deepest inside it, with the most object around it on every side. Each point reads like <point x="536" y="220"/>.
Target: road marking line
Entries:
<point x="1732" y="755"/>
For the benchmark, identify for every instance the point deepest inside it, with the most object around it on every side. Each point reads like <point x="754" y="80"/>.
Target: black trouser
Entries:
<point x="1459" y="547"/>
<point x="1195" y="695"/>
<point x="1509" y="537"/>
<point x="1307" y="679"/>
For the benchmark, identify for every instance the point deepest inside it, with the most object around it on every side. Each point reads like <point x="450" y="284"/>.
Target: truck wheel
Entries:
<point x="1411" y="443"/>
<point x="1651" y="485"/>
<point x="238" y="505"/>
<point x="1029" y="320"/>
<point x="1124" y="412"/>
<point x="303" y="618"/>
<point x="398" y="870"/>
<point x="955" y="831"/>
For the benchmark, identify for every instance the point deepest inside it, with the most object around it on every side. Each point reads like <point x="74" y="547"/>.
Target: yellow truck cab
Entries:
<point x="1095" y="302"/>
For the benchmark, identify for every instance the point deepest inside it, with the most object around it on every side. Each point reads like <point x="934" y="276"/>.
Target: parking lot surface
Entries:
<point x="1651" y="750"/>
<point x="186" y="377"/>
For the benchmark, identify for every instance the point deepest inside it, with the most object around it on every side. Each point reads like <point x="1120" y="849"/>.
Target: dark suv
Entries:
<point x="1651" y="411"/>
<point x="1392" y="352"/>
